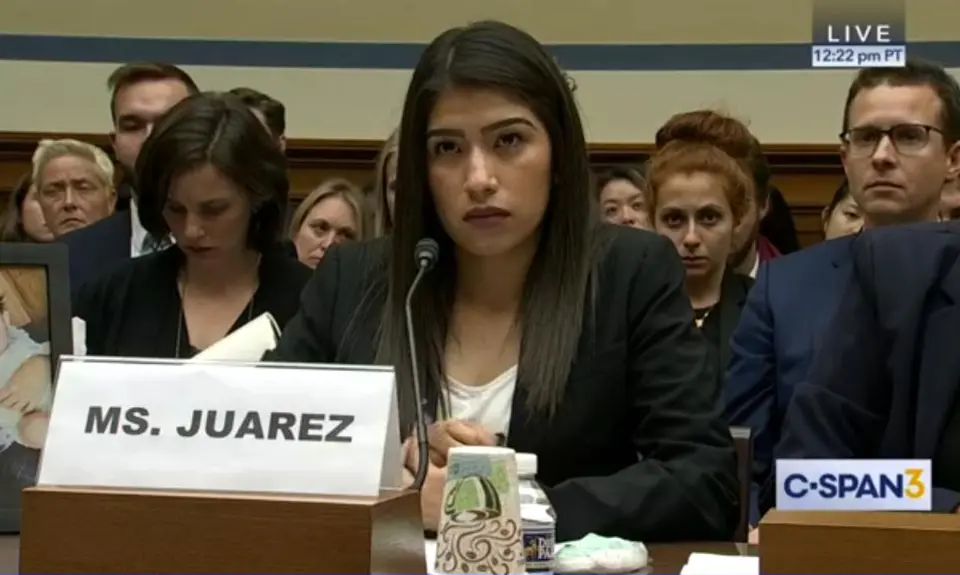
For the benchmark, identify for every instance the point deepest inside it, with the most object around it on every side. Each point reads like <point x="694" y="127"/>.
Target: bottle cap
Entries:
<point x="526" y="464"/>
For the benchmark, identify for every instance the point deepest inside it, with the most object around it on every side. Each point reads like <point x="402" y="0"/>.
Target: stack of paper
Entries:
<point x="710" y="564"/>
<point x="79" y="336"/>
<point x="248" y="343"/>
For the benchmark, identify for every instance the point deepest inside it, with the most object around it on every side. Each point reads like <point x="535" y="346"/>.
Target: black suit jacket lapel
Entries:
<point x="939" y="373"/>
<point x="121" y="244"/>
<point x="733" y="294"/>
<point x="525" y="434"/>
<point x="528" y="429"/>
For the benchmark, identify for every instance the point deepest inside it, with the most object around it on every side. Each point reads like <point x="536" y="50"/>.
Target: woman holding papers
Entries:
<point x="211" y="179"/>
<point x="572" y="339"/>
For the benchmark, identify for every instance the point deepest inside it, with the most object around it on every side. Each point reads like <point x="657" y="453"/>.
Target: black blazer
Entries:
<point x="97" y="249"/>
<point x="642" y="382"/>
<point x="719" y="325"/>
<point x="135" y="310"/>
<point x="885" y="382"/>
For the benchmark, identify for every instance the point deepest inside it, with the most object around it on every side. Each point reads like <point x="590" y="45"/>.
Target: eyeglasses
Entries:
<point x="907" y="139"/>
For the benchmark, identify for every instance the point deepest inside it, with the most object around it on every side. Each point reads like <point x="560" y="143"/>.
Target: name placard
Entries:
<point x="324" y="430"/>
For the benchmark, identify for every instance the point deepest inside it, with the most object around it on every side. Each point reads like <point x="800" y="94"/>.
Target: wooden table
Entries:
<point x="9" y="554"/>
<point x="666" y="558"/>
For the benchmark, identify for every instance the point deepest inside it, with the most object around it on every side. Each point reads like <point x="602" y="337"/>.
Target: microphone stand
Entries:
<point x="426" y="256"/>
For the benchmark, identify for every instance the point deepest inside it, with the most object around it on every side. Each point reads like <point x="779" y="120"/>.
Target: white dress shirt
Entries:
<point x="141" y="243"/>
<point x="756" y="266"/>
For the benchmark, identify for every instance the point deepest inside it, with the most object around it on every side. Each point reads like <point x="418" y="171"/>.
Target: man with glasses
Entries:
<point x="899" y="145"/>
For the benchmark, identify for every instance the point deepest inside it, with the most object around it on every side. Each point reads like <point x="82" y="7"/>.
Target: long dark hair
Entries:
<point x="11" y="224"/>
<point x="493" y="55"/>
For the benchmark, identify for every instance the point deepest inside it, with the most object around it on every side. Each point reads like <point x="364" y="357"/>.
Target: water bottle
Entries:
<point x="538" y="521"/>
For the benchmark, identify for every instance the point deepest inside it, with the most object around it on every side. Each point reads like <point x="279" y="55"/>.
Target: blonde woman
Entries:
<point x="384" y="188"/>
<point x="74" y="182"/>
<point x="331" y="214"/>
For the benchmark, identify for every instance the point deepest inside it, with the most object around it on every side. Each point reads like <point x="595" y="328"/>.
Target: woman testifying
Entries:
<point x="211" y="177"/>
<point x="571" y="338"/>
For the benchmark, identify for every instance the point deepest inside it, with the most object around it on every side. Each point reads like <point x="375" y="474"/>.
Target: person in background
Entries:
<point x="898" y="146"/>
<point x="331" y="214"/>
<point x="843" y="216"/>
<point x="620" y="191"/>
<point x="23" y="219"/>
<point x="140" y="93"/>
<point x="380" y="205"/>
<point x="778" y="225"/>
<point x="74" y="182"/>
<point x="749" y="248"/>
<point x="271" y="112"/>
<point x="211" y="176"/>
<point x="495" y="170"/>
<point x="697" y="196"/>
<point x="950" y="201"/>
<point x="886" y="381"/>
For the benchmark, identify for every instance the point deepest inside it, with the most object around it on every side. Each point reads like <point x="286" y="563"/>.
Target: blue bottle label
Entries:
<point x="538" y="549"/>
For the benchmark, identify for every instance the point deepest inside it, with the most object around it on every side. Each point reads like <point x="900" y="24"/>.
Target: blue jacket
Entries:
<point x="781" y="325"/>
<point x="887" y="381"/>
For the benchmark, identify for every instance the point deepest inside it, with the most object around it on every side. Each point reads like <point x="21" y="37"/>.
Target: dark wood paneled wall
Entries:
<point x="806" y="174"/>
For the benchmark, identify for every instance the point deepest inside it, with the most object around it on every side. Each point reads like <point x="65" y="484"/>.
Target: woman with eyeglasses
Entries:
<point x="569" y="338"/>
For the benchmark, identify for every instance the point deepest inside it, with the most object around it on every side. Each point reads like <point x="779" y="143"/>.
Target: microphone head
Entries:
<point x="426" y="253"/>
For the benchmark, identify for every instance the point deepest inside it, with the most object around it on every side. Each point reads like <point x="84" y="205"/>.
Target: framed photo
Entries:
<point x="35" y="330"/>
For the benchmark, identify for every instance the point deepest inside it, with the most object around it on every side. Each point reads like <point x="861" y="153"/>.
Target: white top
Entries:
<point x="756" y="267"/>
<point x="489" y="405"/>
<point x="138" y="235"/>
<point x="21" y="348"/>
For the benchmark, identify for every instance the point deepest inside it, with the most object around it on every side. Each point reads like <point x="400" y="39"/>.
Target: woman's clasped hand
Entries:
<point x="441" y="436"/>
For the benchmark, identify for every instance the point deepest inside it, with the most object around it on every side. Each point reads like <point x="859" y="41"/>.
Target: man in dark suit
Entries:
<point x="886" y="383"/>
<point x="899" y="145"/>
<point x="273" y="114"/>
<point x="140" y="93"/>
<point x="270" y="111"/>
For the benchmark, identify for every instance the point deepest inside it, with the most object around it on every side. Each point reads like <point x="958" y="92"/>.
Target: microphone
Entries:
<point x="425" y="254"/>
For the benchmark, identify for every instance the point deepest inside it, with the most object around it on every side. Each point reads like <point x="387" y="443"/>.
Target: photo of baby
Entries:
<point x="35" y="331"/>
<point x="26" y="383"/>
